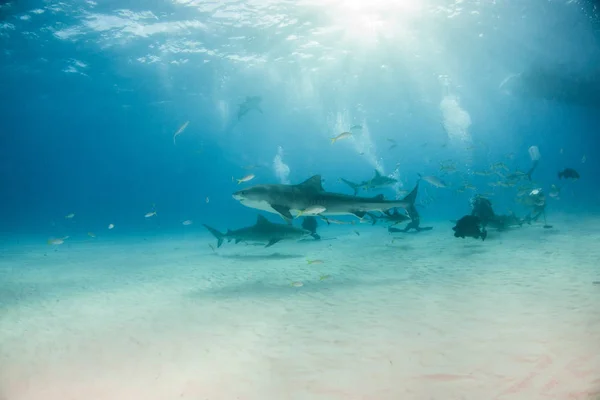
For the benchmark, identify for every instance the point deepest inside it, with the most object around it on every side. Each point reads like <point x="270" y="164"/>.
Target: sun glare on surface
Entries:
<point x="368" y="20"/>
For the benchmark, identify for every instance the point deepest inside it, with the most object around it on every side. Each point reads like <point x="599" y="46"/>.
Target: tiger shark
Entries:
<point x="378" y="181"/>
<point x="287" y="200"/>
<point x="263" y="231"/>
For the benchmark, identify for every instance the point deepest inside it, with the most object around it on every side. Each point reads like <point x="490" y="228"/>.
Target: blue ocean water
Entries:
<point x="94" y="92"/>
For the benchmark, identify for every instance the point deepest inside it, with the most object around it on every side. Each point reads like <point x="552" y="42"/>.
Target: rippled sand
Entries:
<point x="424" y="317"/>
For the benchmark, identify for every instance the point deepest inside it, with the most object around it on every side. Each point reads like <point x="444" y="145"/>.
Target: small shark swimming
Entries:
<point x="251" y="103"/>
<point x="378" y="181"/>
<point x="263" y="231"/>
<point x="287" y="200"/>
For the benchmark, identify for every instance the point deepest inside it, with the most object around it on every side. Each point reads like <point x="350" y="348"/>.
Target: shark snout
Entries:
<point x="238" y="196"/>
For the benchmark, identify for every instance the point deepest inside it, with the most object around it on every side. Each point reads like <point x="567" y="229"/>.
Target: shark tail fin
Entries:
<point x="412" y="196"/>
<point x="220" y="236"/>
<point x="353" y="185"/>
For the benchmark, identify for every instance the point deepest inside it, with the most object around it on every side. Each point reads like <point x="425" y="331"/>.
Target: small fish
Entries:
<point x="53" y="241"/>
<point x="335" y="221"/>
<point x="212" y="248"/>
<point x="70" y="216"/>
<point x="500" y="165"/>
<point x="297" y="284"/>
<point x="314" y="210"/>
<point x="393" y="146"/>
<point x="180" y="130"/>
<point x="356" y="127"/>
<point x="434" y="180"/>
<point x="323" y="277"/>
<point x="357" y="233"/>
<point x="91" y="234"/>
<point x="342" y="135"/>
<point x="448" y="168"/>
<point x="583" y="159"/>
<point x="391" y="140"/>
<point x="317" y="261"/>
<point x="150" y="214"/>
<point x="187" y="222"/>
<point x="247" y="178"/>
<point x="207" y="200"/>
<point x="110" y="226"/>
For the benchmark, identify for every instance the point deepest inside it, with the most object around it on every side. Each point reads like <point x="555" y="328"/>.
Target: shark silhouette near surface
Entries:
<point x="263" y="231"/>
<point x="287" y="200"/>
<point x="251" y="103"/>
<point x="378" y="181"/>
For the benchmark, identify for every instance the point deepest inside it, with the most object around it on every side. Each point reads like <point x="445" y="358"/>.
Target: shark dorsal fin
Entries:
<point x="260" y="220"/>
<point x="377" y="174"/>
<point x="379" y="197"/>
<point x="313" y="183"/>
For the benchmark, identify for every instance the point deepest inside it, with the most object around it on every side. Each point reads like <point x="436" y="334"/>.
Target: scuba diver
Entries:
<point x="537" y="200"/>
<point x="481" y="207"/>
<point x="310" y="224"/>
<point x="415" y="222"/>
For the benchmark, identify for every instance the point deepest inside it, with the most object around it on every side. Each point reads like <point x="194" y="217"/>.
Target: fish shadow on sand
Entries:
<point x="272" y="289"/>
<point x="471" y="250"/>
<point x="259" y="257"/>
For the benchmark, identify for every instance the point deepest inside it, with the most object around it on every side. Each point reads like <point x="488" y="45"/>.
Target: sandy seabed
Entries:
<point x="422" y="317"/>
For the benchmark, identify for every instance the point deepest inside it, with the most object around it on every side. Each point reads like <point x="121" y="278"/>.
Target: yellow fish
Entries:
<point x="150" y="214"/>
<point x="314" y="261"/>
<point x="323" y="277"/>
<point x="58" y="241"/>
<point x="70" y="216"/>
<point x="342" y="135"/>
<point x="247" y="178"/>
<point x="91" y="234"/>
<point x="314" y="210"/>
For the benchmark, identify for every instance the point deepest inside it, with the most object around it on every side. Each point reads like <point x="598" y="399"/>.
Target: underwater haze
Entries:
<point x="310" y="199"/>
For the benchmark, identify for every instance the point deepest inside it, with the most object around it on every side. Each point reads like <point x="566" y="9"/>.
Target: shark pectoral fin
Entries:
<point x="237" y="240"/>
<point x="272" y="242"/>
<point x="360" y="214"/>
<point x="284" y="211"/>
